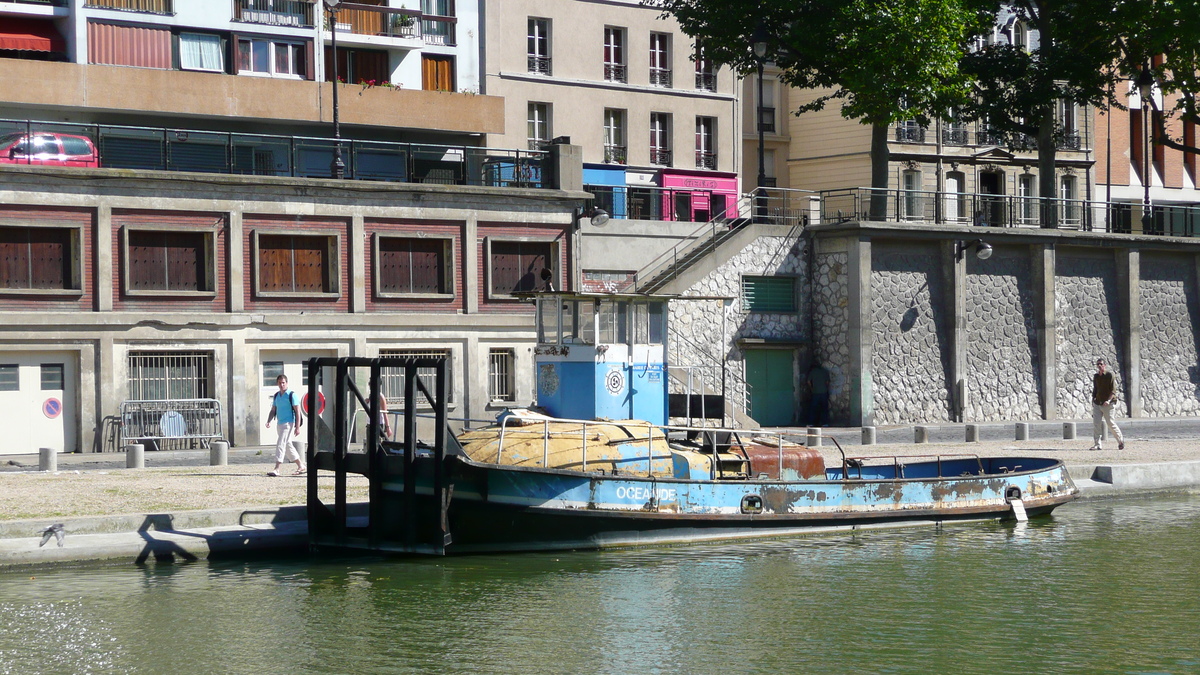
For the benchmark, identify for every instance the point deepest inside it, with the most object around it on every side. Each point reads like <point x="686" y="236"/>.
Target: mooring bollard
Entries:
<point x="218" y="453"/>
<point x="868" y="435"/>
<point x="135" y="456"/>
<point x="920" y="434"/>
<point x="814" y="437"/>
<point x="1068" y="431"/>
<point x="972" y="433"/>
<point x="1022" y="431"/>
<point x="47" y="459"/>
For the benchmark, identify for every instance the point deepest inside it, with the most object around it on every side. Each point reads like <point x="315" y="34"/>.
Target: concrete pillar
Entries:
<point x="956" y="268"/>
<point x="218" y="453"/>
<point x="358" y="265"/>
<point x="920" y="434"/>
<point x="103" y="259"/>
<point x="235" y="257"/>
<point x="47" y="459"/>
<point x="1068" y="431"/>
<point x="868" y="435"/>
<point x="1045" y="322"/>
<point x="1129" y="275"/>
<point x="470" y="252"/>
<point x="242" y="416"/>
<point x="972" y="433"/>
<point x="814" y="437"/>
<point x="861" y="335"/>
<point x="564" y="169"/>
<point x="135" y="456"/>
<point x="107" y="373"/>
<point x="1022" y="431"/>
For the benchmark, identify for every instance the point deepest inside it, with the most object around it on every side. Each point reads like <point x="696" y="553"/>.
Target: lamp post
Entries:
<point x="337" y="168"/>
<point x="758" y="42"/>
<point x="1145" y="84"/>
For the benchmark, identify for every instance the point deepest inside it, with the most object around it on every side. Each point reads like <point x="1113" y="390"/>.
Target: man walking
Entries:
<point x="285" y="406"/>
<point x="1104" y="393"/>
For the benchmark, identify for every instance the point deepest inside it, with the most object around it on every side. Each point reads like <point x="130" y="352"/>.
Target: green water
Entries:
<point x="1101" y="587"/>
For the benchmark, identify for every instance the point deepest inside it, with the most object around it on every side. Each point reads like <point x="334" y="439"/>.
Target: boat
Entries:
<point x="600" y="464"/>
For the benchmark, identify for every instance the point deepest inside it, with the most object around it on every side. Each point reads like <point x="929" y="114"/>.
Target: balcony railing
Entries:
<point x="52" y="3"/>
<point x="384" y="21"/>
<point x="439" y="30"/>
<point x="955" y="135"/>
<point x="148" y="6"/>
<point x="274" y="12"/>
<point x="907" y="132"/>
<point x="766" y="119"/>
<point x="706" y="160"/>
<point x="664" y="204"/>
<point x="660" y="77"/>
<point x="615" y="154"/>
<point x="1069" y="141"/>
<point x="660" y="156"/>
<point x="162" y="149"/>
<point x="615" y="72"/>
<point x="989" y="137"/>
<point x="706" y="81"/>
<point x="539" y="64"/>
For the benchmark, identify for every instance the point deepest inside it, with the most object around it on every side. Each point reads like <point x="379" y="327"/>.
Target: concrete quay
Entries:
<point x="178" y="508"/>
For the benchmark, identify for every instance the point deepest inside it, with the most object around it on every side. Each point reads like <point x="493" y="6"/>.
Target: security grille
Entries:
<point x="160" y="376"/>
<point x="393" y="378"/>
<point x="500" y="375"/>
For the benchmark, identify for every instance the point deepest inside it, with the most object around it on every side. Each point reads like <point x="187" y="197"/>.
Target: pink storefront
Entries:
<point x="699" y="196"/>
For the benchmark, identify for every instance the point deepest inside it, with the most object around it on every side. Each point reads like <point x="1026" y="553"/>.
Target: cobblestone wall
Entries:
<point x="1170" y="313"/>
<point x="1088" y="326"/>
<point x="1003" y="369"/>
<point x="912" y="344"/>
<point x="831" y="313"/>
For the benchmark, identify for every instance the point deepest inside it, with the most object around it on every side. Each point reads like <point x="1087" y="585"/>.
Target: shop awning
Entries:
<point x="31" y="35"/>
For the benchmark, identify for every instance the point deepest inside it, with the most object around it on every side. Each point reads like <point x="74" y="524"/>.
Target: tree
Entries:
<point x="1168" y="49"/>
<point x="885" y="61"/>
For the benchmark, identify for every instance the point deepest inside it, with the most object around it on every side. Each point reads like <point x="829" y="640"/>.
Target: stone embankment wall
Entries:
<point x="831" y="312"/>
<point x="1088" y="326"/>
<point x="1170" y="357"/>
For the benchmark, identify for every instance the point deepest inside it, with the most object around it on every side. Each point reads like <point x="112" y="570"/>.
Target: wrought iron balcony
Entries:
<point x="660" y="77"/>
<point x="706" y="81"/>
<point x="989" y="137"/>
<point x="766" y="119"/>
<point x="148" y="6"/>
<point x="615" y="72"/>
<point x="615" y="154"/>
<point x="955" y="135"/>
<point x="660" y="156"/>
<point x="274" y="12"/>
<point x="539" y="64"/>
<point x="909" y="132"/>
<point x="1069" y="141"/>
<point x="706" y="160"/>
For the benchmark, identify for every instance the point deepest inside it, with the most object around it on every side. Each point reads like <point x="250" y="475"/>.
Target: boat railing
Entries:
<point x="897" y="465"/>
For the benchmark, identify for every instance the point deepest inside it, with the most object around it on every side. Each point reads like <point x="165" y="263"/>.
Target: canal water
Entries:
<point x="1100" y="587"/>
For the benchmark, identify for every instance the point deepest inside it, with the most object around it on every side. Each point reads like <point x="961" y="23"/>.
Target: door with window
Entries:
<point x="39" y="401"/>
<point x="293" y="364"/>
<point x="771" y="380"/>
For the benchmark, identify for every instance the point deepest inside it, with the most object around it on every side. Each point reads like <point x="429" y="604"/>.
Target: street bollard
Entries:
<point x="814" y="437"/>
<point x="135" y="456"/>
<point x="920" y="434"/>
<point x="868" y="435"/>
<point x="47" y="459"/>
<point x="1068" y="431"/>
<point x="218" y="453"/>
<point x="972" y="433"/>
<point x="1022" y="431"/>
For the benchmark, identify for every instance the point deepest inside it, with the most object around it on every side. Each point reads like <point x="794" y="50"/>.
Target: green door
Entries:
<point x="772" y="386"/>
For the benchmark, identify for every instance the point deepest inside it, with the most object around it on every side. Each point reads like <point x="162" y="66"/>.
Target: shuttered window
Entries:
<point x="168" y="261"/>
<point x="36" y="257"/>
<point x="518" y="266"/>
<point x="295" y="264"/>
<point x="119" y="45"/>
<point x="437" y="73"/>
<point x="412" y="265"/>
<point x="769" y="294"/>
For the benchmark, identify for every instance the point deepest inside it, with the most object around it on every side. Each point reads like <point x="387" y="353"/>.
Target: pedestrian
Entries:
<point x="383" y="417"/>
<point x="285" y="406"/>
<point x="818" y="389"/>
<point x="1104" y="394"/>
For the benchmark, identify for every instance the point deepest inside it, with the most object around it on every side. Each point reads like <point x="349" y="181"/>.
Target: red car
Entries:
<point x="48" y="149"/>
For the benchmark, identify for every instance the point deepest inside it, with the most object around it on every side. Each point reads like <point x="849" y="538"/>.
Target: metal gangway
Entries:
<point x="171" y="424"/>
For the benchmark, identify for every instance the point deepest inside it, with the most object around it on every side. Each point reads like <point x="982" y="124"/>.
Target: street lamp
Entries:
<point x="983" y="250"/>
<point x="758" y="43"/>
<point x="1145" y="85"/>
<point x="337" y="168"/>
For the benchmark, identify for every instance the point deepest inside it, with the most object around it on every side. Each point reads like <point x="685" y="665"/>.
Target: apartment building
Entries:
<point x="170" y="232"/>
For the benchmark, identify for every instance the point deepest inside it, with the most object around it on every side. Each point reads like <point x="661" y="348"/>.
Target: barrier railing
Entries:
<point x="177" y="424"/>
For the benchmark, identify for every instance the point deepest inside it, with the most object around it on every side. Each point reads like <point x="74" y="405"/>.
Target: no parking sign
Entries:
<point x="320" y="403"/>
<point x="52" y="408"/>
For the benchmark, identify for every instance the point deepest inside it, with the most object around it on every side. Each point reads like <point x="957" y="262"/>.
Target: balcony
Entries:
<point x="147" y="6"/>
<point x="1068" y="141"/>
<point x="660" y="156"/>
<point x="706" y="160"/>
<point x="274" y="12"/>
<point x="539" y="64"/>
<point x="706" y="81"/>
<point x="660" y="77"/>
<point x="910" y="132"/>
<point x="615" y="72"/>
<point x="989" y="137"/>
<point x="766" y="119"/>
<point x="615" y="154"/>
<point x="382" y="21"/>
<point x="439" y="30"/>
<point x="954" y="134"/>
<point x="50" y="3"/>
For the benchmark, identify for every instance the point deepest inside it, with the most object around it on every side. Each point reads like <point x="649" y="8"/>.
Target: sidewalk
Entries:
<point x="179" y="508"/>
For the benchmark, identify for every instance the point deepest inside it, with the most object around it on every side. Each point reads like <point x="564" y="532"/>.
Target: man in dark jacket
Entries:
<point x="1104" y="393"/>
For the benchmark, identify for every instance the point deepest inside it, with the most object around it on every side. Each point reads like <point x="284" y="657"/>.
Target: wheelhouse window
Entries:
<point x="413" y="266"/>
<point x="660" y="60"/>
<point x="39" y="258"/>
<point x="201" y="51"/>
<point x="297" y="264"/>
<point x="270" y="58"/>
<point x="706" y="143"/>
<point x="768" y="294"/>
<point x="660" y="139"/>
<point x="538" y="42"/>
<point x="518" y="266"/>
<point x="171" y="261"/>
<point x="614" y="54"/>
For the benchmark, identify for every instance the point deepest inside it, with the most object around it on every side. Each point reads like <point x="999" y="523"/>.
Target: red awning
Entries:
<point x="31" y="35"/>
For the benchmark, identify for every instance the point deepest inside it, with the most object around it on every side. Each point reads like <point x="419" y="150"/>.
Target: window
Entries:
<point x="539" y="125"/>
<point x="437" y="72"/>
<point x="706" y="74"/>
<point x="521" y="266"/>
<point x="168" y="261"/>
<point x="706" y="143"/>
<point x="198" y="51"/>
<point x="768" y="294"/>
<point x="539" y="46"/>
<point x="159" y="376"/>
<point x="355" y="66"/>
<point x="912" y="207"/>
<point x="660" y="139"/>
<point x="39" y="258"/>
<point x="614" y="136"/>
<point x="613" y="318"/>
<point x="294" y="263"/>
<point x="1021" y="36"/>
<point x="10" y="377"/>
<point x="766" y="107"/>
<point x="768" y="168"/>
<point x="955" y="204"/>
<point x="1027" y="199"/>
<point x="271" y="372"/>
<point x="52" y="377"/>
<point x="409" y="265"/>
<point x="648" y="323"/>
<point x="614" y="54"/>
<point x="1068" y="125"/>
<point x="392" y="379"/>
<point x="1070" y="208"/>
<point x="954" y="132"/>
<point x="437" y="24"/>
<point x="660" y="60"/>
<point x="500" y="375"/>
<point x="274" y="59"/>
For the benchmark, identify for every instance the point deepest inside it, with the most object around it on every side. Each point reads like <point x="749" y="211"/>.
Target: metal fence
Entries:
<point x="165" y="149"/>
<point x="179" y="424"/>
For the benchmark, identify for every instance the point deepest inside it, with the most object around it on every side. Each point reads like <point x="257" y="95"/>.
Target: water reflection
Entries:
<point x="1101" y="587"/>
